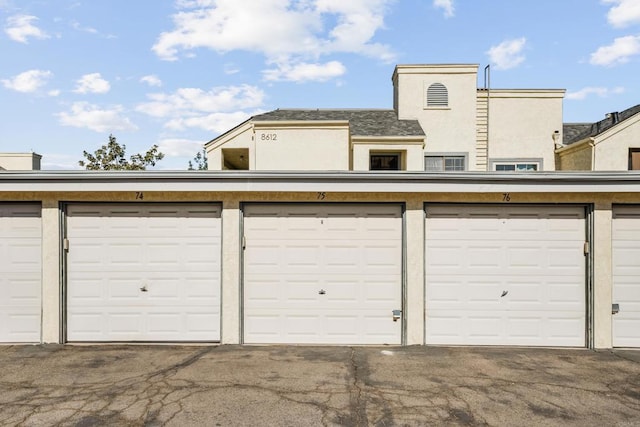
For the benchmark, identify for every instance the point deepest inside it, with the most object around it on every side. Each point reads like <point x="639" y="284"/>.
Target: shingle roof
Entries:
<point x="580" y="131"/>
<point x="361" y="122"/>
<point x="572" y="130"/>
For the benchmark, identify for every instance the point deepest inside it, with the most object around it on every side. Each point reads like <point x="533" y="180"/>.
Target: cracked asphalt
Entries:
<point x="134" y="385"/>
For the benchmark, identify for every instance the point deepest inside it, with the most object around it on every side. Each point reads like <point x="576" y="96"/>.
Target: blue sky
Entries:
<point x="177" y="73"/>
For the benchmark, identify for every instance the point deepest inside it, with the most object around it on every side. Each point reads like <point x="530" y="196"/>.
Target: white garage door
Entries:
<point x="626" y="276"/>
<point x="20" y="272"/>
<point x="505" y="275"/>
<point x="143" y="272"/>
<point x="322" y="273"/>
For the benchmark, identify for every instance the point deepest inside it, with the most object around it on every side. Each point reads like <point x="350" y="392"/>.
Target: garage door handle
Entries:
<point x="144" y="288"/>
<point x="322" y="292"/>
<point x="504" y="293"/>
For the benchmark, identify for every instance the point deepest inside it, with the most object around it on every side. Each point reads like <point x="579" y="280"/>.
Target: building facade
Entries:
<point x="302" y="234"/>
<point x="440" y="122"/>
<point x="345" y="258"/>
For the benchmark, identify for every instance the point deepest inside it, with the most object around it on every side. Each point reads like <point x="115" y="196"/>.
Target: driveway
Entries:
<point x="308" y="386"/>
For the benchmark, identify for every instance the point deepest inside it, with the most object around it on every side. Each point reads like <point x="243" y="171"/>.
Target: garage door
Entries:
<point x="322" y="273"/>
<point x="20" y="272"/>
<point x="143" y="272"/>
<point x="626" y="276"/>
<point x="505" y="275"/>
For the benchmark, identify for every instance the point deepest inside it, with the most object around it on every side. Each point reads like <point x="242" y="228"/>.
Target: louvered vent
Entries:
<point x="437" y="95"/>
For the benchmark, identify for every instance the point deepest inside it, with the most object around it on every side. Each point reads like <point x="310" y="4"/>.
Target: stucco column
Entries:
<point x="415" y="302"/>
<point x="51" y="261"/>
<point x="230" y="314"/>
<point x="602" y="275"/>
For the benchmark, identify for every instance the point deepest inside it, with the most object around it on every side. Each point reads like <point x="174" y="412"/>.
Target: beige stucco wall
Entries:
<point x="575" y="157"/>
<point x="612" y="146"/>
<point x="242" y="137"/>
<point x="288" y="146"/>
<point x="522" y="124"/>
<point x="414" y="237"/>
<point x="20" y="161"/>
<point x="448" y="130"/>
<point x="302" y="148"/>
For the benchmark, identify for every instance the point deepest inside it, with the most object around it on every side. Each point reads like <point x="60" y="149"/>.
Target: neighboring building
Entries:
<point x="20" y="161"/>
<point x="440" y="121"/>
<point x="608" y="145"/>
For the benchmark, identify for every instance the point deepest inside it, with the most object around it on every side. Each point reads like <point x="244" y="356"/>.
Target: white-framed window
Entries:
<point x="445" y="163"/>
<point x="437" y="95"/>
<point x="516" y="165"/>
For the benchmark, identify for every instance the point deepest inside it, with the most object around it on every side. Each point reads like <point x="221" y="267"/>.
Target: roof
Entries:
<point x="25" y="183"/>
<point x="580" y="131"/>
<point x="361" y="122"/>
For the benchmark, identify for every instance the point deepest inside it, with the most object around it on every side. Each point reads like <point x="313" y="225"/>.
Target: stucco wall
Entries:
<point x="612" y="147"/>
<point x="522" y="123"/>
<point x="20" y="161"/>
<point x="287" y="147"/>
<point x="576" y="158"/>
<point x="448" y="130"/>
<point x="238" y="138"/>
<point x="302" y="149"/>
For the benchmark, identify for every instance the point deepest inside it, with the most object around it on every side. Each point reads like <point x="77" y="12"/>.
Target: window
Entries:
<point x="516" y="167"/>
<point x="444" y="163"/>
<point x="385" y="162"/>
<point x="634" y="159"/>
<point x="437" y="95"/>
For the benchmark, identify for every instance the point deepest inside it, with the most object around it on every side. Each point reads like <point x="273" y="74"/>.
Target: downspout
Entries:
<point x="487" y="86"/>
<point x="592" y="144"/>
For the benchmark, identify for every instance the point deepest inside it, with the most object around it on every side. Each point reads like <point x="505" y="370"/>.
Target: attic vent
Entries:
<point x="437" y="95"/>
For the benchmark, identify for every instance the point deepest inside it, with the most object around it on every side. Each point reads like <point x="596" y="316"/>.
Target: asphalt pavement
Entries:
<point x="136" y="385"/>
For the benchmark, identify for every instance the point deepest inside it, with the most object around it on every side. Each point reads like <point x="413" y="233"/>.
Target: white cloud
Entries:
<point x="151" y="80"/>
<point x="54" y="92"/>
<point x="20" y="27"/>
<point x="92" y="83"/>
<point x="446" y="6"/>
<point x="192" y="101"/>
<point x="218" y="109"/>
<point x="507" y="54"/>
<point x="306" y="72"/>
<point x="230" y="68"/>
<point x="85" y="115"/>
<point x="76" y="26"/>
<point x="624" y="13"/>
<point x="28" y="81"/>
<point x="618" y="52"/>
<point x="284" y="31"/>
<point x="175" y="147"/>
<point x="601" y="92"/>
<point x="214" y="122"/>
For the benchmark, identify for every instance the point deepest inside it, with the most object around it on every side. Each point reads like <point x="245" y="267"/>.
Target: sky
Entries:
<point x="178" y="73"/>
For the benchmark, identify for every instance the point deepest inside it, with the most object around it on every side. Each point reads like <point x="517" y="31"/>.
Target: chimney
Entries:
<point x="614" y="116"/>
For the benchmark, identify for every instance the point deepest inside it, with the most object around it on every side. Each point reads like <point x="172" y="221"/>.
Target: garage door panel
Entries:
<point x="138" y="273"/>
<point x="20" y="272"/>
<point x="626" y="275"/>
<point x="529" y="328"/>
<point x="314" y="272"/>
<point x="503" y="266"/>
